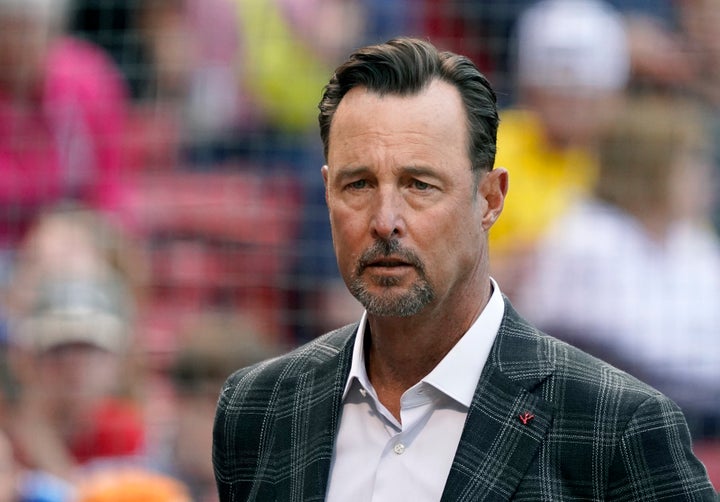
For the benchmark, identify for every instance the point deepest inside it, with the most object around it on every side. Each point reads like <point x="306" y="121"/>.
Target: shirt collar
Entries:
<point x="457" y="374"/>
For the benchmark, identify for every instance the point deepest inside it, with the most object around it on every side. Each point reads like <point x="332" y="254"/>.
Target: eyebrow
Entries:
<point x="420" y="171"/>
<point x="344" y="173"/>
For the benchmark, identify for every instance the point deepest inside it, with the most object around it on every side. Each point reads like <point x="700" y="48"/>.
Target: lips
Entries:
<point x="389" y="262"/>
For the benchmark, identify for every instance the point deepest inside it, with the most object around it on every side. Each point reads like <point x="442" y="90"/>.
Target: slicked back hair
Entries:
<point x="405" y="67"/>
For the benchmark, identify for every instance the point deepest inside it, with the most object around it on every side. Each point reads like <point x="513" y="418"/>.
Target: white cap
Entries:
<point x="76" y="311"/>
<point x="572" y="43"/>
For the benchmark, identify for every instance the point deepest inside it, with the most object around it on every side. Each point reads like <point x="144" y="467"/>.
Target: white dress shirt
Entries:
<point x="377" y="458"/>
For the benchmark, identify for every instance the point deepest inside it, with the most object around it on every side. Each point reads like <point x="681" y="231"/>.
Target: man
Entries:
<point x="68" y="352"/>
<point x="441" y="391"/>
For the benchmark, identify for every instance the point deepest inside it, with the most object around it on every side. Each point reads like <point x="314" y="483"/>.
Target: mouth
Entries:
<point x="385" y="269"/>
<point x="388" y="259"/>
<point x="389" y="263"/>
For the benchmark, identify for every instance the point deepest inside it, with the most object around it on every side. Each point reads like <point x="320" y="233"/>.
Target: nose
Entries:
<point x="388" y="215"/>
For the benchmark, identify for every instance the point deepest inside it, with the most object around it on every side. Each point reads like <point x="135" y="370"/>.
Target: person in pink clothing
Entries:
<point x="63" y="108"/>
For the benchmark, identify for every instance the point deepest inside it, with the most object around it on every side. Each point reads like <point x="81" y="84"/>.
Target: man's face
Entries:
<point x="573" y="117"/>
<point x="408" y="220"/>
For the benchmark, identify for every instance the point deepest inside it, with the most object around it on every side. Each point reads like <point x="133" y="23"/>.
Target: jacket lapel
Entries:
<point x="307" y="425"/>
<point x="506" y="422"/>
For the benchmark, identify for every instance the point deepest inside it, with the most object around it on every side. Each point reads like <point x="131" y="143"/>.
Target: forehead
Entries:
<point x="433" y="119"/>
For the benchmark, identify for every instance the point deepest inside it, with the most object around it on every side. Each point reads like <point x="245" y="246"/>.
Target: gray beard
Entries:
<point x="403" y="304"/>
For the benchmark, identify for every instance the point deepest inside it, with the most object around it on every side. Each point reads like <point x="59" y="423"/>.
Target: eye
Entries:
<point x="357" y="185"/>
<point x="420" y="185"/>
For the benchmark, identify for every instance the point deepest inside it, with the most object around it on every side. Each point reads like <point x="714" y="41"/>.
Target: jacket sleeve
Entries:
<point x="654" y="459"/>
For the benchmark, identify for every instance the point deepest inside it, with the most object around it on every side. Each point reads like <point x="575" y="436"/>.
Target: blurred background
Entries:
<point x="162" y="219"/>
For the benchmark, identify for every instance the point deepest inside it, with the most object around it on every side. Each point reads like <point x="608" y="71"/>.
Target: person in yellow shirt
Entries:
<point x="572" y="68"/>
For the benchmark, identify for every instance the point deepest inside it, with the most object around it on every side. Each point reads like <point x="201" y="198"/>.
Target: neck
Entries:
<point x="401" y="351"/>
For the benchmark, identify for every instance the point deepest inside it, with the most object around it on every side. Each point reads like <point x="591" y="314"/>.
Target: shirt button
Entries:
<point x="399" y="448"/>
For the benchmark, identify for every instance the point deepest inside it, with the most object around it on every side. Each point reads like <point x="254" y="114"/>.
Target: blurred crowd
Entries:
<point x="162" y="214"/>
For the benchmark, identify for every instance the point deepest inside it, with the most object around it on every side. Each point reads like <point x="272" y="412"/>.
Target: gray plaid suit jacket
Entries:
<point x="597" y="433"/>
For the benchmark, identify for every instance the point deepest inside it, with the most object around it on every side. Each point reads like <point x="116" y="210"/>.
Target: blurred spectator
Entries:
<point x="216" y="65"/>
<point x="295" y="41"/>
<point x="572" y="68"/>
<point x="633" y="273"/>
<point x="73" y="241"/>
<point x="72" y="309"/>
<point x="68" y="357"/>
<point x="212" y="345"/>
<point x="193" y="46"/>
<point x="700" y="19"/>
<point x="657" y="53"/>
<point x="485" y="30"/>
<point x="62" y="117"/>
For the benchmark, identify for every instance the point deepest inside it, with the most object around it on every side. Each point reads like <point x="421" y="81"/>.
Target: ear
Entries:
<point x="493" y="189"/>
<point x="324" y="171"/>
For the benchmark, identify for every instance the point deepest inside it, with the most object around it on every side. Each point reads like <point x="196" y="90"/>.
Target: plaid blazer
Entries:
<point x="597" y="433"/>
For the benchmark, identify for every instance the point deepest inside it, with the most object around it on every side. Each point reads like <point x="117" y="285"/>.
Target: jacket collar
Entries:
<point x="506" y="422"/>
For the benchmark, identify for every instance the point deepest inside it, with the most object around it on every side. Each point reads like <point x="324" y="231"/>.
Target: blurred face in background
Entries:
<point x="331" y="28"/>
<point x="700" y="20"/>
<point x="77" y="375"/>
<point x="573" y="116"/>
<point x="655" y="162"/>
<point x="25" y="37"/>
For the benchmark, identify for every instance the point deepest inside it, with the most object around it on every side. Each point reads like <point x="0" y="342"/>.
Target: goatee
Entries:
<point x="391" y="304"/>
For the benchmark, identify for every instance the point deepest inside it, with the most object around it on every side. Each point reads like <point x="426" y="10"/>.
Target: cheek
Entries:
<point x="454" y="239"/>
<point x="348" y="232"/>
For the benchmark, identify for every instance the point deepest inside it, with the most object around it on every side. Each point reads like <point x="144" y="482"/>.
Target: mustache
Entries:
<point x="385" y="248"/>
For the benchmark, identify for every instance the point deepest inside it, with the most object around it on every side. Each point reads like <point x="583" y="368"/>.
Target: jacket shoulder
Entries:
<point x="251" y="402"/>
<point x="611" y="435"/>
<point x="528" y="356"/>
<point x="586" y="370"/>
<point x="262" y="377"/>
